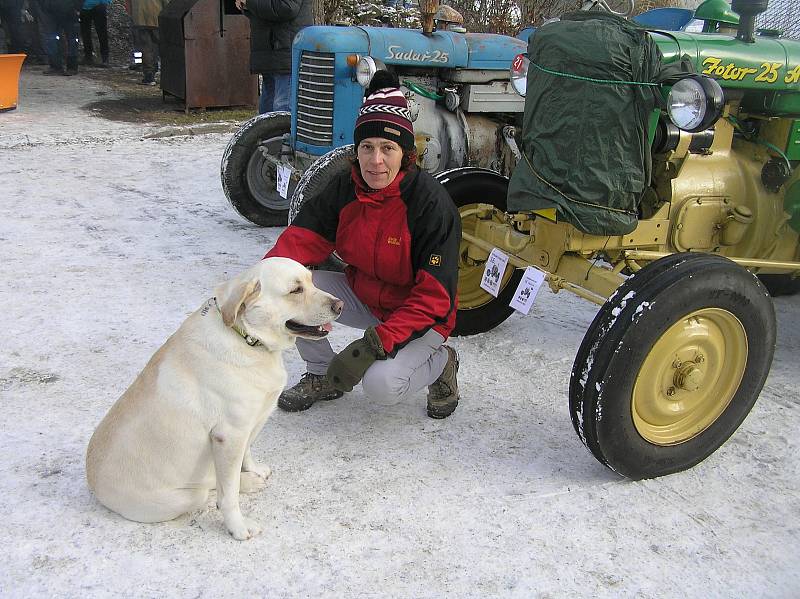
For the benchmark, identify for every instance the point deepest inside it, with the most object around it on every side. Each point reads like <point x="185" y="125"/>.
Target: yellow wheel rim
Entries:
<point x="470" y="271"/>
<point x="689" y="377"/>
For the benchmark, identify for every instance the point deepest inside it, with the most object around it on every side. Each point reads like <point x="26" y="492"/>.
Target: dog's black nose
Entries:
<point x="337" y="306"/>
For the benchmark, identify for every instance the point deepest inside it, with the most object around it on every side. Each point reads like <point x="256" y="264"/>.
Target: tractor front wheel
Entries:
<point x="672" y="364"/>
<point x="319" y="176"/>
<point x="248" y="179"/>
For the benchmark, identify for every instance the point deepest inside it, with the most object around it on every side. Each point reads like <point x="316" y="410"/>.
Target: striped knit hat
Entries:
<point x="385" y="114"/>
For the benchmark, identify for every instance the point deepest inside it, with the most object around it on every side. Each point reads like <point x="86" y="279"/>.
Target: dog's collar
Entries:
<point x="249" y="339"/>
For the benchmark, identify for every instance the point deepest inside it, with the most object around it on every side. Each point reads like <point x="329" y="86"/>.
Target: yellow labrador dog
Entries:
<point x="186" y="423"/>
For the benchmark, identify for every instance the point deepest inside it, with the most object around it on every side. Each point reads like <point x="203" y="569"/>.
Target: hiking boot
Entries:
<point x="443" y="393"/>
<point x="310" y="389"/>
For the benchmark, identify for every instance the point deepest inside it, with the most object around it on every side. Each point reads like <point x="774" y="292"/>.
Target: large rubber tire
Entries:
<point x="316" y="178"/>
<point x="778" y="285"/>
<point x="672" y="364"/>
<point x="320" y="174"/>
<point x="247" y="179"/>
<point x="478" y="311"/>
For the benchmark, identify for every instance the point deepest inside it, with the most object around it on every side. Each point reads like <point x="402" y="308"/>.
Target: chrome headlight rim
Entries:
<point x="705" y="88"/>
<point x="518" y="73"/>
<point x="366" y="67"/>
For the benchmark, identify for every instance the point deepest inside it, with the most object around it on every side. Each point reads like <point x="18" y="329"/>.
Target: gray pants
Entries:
<point x="388" y="381"/>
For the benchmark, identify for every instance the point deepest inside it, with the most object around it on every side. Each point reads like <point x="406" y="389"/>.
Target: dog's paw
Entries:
<point x="259" y="469"/>
<point x="251" y="482"/>
<point x="244" y="529"/>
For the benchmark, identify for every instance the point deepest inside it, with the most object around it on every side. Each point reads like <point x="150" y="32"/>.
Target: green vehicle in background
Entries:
<point x="675" y="218"/>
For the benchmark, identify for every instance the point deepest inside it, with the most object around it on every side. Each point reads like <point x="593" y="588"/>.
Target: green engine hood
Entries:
<point x="769" y="64"/>
<point x="768" y="70"/>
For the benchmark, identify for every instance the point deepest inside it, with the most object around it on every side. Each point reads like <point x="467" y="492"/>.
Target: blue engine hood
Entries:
<point x="442" y="49"/>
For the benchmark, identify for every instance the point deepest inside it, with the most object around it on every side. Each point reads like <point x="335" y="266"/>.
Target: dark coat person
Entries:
<point x="60" y="26"/>
<point x="273" y="25"/>
<point x="11" y="20"/>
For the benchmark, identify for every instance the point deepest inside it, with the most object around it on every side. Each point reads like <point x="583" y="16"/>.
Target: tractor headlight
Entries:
<point x="695" y="103"/>
<point x="365" y="70"/>
<point x="519" y="73"/>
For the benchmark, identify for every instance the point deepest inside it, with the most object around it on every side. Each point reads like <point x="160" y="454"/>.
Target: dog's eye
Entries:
<point x="297" y="290"/>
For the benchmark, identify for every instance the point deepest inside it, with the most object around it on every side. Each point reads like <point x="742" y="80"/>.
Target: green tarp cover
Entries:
<point x="587" y="141"/>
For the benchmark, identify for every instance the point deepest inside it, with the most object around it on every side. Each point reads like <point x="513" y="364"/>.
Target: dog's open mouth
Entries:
<point x="307" y="330"/>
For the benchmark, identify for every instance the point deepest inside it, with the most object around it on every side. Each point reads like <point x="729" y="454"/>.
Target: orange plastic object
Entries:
<point x="10" y="65"/>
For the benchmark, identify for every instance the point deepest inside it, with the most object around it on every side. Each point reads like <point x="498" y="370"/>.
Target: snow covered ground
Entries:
<point x="109" y="239"/>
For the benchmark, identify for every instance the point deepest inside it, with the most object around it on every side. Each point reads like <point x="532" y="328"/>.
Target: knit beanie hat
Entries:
<point x="385" y="113"/>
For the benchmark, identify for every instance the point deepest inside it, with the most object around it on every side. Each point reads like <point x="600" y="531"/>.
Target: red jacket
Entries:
<point x="401" y="244"/>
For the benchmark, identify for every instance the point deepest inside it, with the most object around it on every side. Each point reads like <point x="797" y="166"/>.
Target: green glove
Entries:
<point x="348" y="366"/>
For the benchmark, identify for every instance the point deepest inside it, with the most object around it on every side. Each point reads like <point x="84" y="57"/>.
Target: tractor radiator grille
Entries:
<point x="315" y="99"/>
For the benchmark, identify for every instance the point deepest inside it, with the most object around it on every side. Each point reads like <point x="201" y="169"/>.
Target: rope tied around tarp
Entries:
<point x="592" y="79"/>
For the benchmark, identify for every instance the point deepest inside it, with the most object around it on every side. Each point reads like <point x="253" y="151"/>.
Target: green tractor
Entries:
<point x="660" y="181"/>
<point x="654" y="173"/>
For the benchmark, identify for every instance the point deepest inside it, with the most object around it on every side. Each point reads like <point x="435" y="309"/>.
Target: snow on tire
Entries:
<point x="319" y="175"/>
<point x="672" y="364"/>
<point x="248" y="180"/>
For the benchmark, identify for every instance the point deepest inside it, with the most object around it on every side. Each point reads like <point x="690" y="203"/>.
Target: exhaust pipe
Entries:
<point x="427" y="9"/>
<point x="747" y="11"/>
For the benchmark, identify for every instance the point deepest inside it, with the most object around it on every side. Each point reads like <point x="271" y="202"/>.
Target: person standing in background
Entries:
<point x="145" y="35"/>
<point x="11" y="19"/>
<point x="60" y="25"/>
<point x="273" y="25"/>
<point x="34" y="44"/>
<point x="95" y="11"/>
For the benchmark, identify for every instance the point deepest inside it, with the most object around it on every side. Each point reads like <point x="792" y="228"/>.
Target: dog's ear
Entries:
<point x="233" y="295"/>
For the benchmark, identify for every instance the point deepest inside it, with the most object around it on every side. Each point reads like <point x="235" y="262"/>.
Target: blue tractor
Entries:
<point x="458" y="89"/>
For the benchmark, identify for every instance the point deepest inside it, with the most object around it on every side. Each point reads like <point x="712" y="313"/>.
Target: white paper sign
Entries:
<point x="526" y="292"/>
<point x="282" y="180"/>
<point x="493" y="273"/>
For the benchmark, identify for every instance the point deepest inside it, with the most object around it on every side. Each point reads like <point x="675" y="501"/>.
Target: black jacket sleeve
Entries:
<point x="274" y="10"/>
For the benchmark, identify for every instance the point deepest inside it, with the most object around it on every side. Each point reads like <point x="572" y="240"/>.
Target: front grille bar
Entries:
<point x="315" y="98"/>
